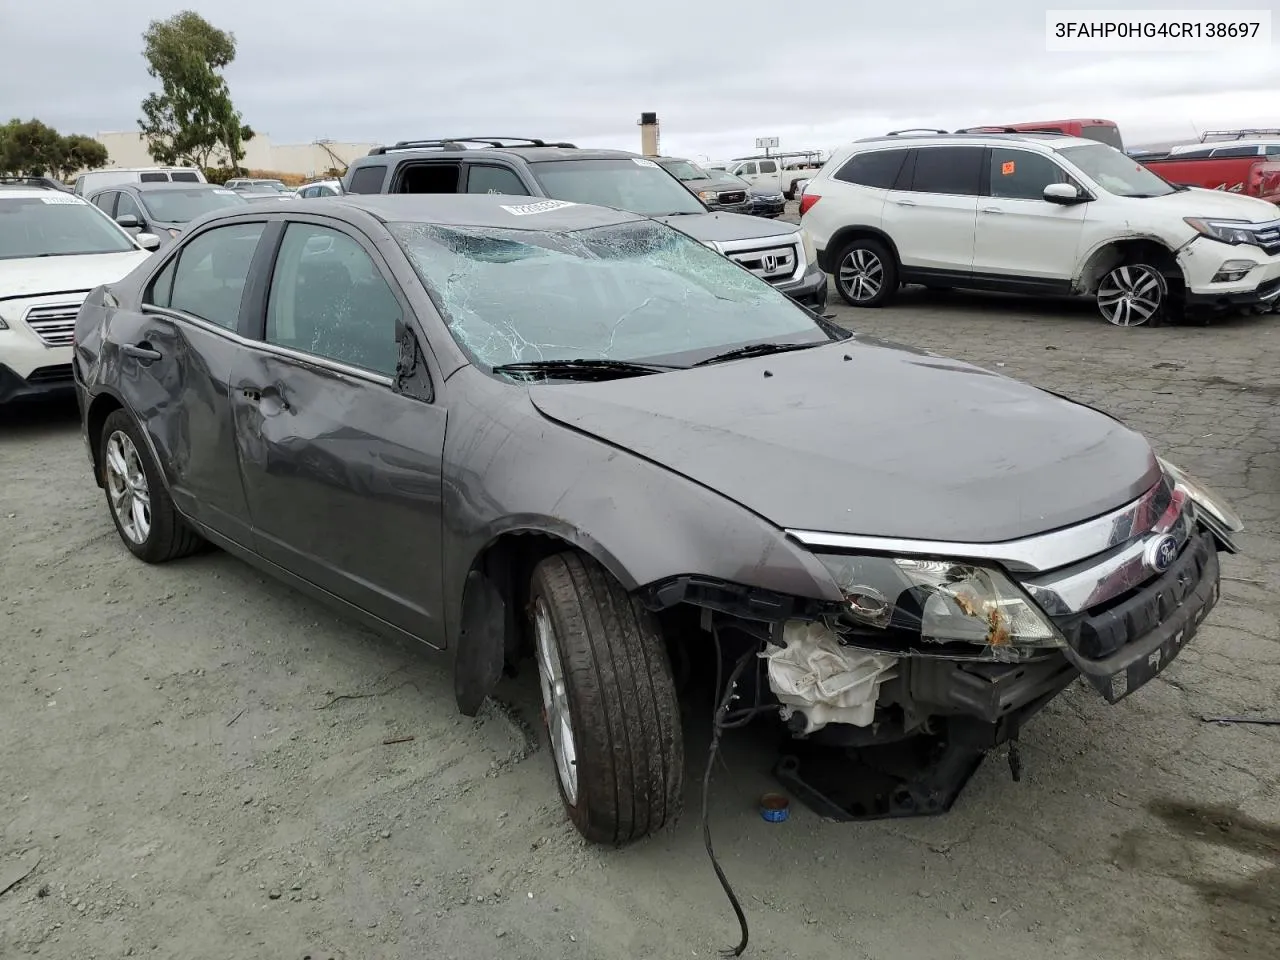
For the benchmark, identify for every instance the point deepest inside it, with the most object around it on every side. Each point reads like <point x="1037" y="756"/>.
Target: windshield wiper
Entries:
<point x="757" y="350"/>
<point x="594" y="367"/>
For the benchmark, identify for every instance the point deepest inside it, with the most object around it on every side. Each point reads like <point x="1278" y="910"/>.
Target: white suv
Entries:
<point x="54" y="249"/>
<point x="1039" y="214"/>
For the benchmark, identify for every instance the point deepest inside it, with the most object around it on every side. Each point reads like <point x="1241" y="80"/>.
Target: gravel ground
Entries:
<point x="196" y="761"/>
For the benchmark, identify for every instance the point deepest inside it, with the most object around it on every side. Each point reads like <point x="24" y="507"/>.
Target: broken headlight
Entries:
<point x="1211" y="509"/>
<point x="942" y="602"/>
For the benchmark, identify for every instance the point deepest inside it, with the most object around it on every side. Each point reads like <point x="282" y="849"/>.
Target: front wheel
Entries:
<point x="608" y="700"/>
<point x="1133" y="295"/>
<point x="866" y="273"/>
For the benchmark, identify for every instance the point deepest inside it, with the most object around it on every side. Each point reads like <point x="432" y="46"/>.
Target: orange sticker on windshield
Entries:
<point x="1007" y="167"/>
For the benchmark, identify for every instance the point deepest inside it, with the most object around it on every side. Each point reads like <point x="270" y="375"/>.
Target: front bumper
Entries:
<point x="1203" y="258"/>
<point x="51" y="380"/>
<point x="810" y="289"/>
<point x="767" y="208"/>
<point x="743" y="207"/>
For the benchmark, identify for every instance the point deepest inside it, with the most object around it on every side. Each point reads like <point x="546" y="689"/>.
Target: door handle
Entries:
<point x="269" y="399"/>
<point x="992" y="210"/>
<point x="905" y="203"/>
<point x="140" y="351"/>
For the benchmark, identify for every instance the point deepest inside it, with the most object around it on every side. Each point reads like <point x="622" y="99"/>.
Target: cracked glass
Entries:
<point x="637" y="291"/>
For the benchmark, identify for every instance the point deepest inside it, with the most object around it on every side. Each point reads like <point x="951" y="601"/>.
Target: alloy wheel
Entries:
<point x="1131" y="295"/>
<point x="861" y="274"/>
<point x="127" y="486"/>
<point x="555" y="702"/>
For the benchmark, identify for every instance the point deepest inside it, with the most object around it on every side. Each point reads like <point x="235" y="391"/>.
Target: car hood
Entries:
<point x="866" y="437"/>
<point x="1215" y="203"/>
<point x="721" y="227"/>
<point x="715" y="183"/>
<point x="44" y="275"/>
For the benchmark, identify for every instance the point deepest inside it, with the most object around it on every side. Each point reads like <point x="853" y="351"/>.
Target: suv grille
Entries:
<point x="775" y="264"/>
<point x="54" y="324"/>
<point x="1269" y="236"/>
<point x="732" y="196"/>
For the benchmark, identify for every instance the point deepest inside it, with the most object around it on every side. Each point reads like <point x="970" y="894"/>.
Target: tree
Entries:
<point x="32" y="148"/>
<point x="191" y="119"/>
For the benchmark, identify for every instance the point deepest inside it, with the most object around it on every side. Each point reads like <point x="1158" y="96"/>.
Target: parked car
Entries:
<point x="54" y="248"/>
<point x="479" y="461"/>
<point x="95" y="180"/>
<point x="1103" y="131"/>
<point x="1037" y="214"/>
<point x="162" y="208"/>
<point x="1249" y="166"/>
<point x="719" y="191"/>
<point x="614" y="178"/>
<point x="320" y="188"/>
<point x="256" y="185"/>
<point x="781" y="173"/>
<point x="49" y="182"/>
<point x="763" y="201"/>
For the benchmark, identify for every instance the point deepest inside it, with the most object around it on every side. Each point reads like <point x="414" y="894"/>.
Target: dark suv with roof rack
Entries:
<point x="626" y="181"/>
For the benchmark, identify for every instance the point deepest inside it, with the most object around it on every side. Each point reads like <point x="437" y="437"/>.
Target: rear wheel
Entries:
<point x="866" y="273"/>
<point x="144" y="515"/>
<point x="608" y="699"/>
<point x="1133" y="295"/>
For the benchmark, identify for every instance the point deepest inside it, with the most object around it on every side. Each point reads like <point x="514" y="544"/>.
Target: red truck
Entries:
<point x="1104" y="131"/>
<point x="1247" y="163"/>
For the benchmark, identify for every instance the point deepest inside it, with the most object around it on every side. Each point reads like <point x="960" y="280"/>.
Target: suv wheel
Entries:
<point x="1133" y="294"/>
<point x="866" y="274"/>
<point x="608" y="701"/>
<point x="145" y="517"/>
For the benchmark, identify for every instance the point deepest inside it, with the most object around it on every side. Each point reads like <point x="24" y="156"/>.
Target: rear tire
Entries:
<point x="866" y="273"/>
<point x="140" y="506"/>
<point x="609" y="701"/>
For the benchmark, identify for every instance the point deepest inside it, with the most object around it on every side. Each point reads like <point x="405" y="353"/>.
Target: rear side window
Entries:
<point x="955" y="171"/>
<point x="1193" y="154"/>
<point x="153" y="177"/>
<point x="428" y="178"/>
<point x="106" y="202"/>
<point x="212" y="272"/>
<point x="186" y="176"/>
<point x="878" y="168"/>
<point x="1236" y="152"/>
<point x="1273" y="150"/>
<point x="368" y="179"/>
<point x="768" y="166"/>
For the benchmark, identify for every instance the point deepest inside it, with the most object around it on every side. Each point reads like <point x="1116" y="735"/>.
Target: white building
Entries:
<point x="129" y="149"/>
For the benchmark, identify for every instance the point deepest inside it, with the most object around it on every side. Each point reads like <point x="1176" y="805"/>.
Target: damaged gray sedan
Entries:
<point x="554" y="431"/>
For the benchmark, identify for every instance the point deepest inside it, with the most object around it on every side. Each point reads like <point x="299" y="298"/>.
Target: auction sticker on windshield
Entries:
<point x="61" y="199"/>
<point x="228" y="192"/>
<point x="545" y="206"/>
<point x="642" y="162"/>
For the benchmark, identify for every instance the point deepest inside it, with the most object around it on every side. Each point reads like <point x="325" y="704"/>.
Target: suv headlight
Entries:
<point x="943" y="602"/>
<point x="1211" y="509"/>
<point x="1224" y="231"/>
<point x="708" y="196"/>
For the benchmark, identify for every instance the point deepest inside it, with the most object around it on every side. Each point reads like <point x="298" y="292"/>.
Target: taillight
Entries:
<point x="807" y="200"/>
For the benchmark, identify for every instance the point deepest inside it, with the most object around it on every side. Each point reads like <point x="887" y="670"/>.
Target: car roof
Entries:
<point x="1046" y="141"/>
<point x="528" y="154"/>
<point x="160" y="186"/>
<point x="8" y="192"/>
<point x="468" y="210"/>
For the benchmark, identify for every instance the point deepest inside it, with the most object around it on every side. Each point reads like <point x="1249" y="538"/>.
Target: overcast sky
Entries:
<point x="814" y="73"/>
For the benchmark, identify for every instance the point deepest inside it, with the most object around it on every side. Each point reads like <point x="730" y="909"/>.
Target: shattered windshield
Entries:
<point x="637" y="291"/>
<point x="633" y="184"/>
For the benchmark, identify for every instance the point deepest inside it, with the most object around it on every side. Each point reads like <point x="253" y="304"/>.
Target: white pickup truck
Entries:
<point x="783" y="171"/>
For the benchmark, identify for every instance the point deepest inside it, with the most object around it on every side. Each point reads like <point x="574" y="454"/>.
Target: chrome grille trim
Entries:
<point x="54" y="324"/>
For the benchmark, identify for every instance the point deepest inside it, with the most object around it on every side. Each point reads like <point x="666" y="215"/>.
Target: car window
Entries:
<point x="188" y="203"/>
<point x="161" y="290"/>
<point x="56" y="224"/>
<point x="153" y="177"/>
<point x="127" y="205"/>
<point x="876" y="168"/>
<point x="1021" y="174"/>
<point x="185" y="176"/>
<point x="746" y="169"/>
<point x="487" y="179"/>
<point x="1194" y="154"/>
<point x="1115" y="172"/>
<point x="1273" y="150"/>
<point x="368" y="179"/>
<point x="1236" y="152"/>
<point x="106" y="202"/>
<point x="212" y="269"/>
<point x="768" y="166"/>
<point x="684" y="170"/>
<point x="635" y="184"/>
<point x="329" y="299"/>
<point x="630" y="291"/>
<point x="954" y="171"/>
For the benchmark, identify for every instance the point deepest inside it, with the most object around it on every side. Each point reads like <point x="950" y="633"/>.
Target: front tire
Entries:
<point x="140" y="506"/>
<point x="609" y="701"/>
<point x="866" y="273"/>
<point x="1133" y="295"/>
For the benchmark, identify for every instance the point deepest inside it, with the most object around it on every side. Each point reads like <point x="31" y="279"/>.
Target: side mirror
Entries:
<point x="128" y="221"/>
<point x="148" y="241"/>
<point x="1065" y="193"/>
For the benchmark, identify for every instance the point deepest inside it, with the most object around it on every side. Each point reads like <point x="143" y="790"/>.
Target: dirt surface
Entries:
<point x="196" y="759"/>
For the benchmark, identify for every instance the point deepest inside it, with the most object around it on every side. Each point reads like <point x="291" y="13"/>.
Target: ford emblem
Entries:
<point x="1161" y="553"/>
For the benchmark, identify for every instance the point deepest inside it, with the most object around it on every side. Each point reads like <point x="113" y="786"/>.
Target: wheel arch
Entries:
<point x="1133" y="249"/>
<point x="850" y="233"/>
<point x="490" y="627"/>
